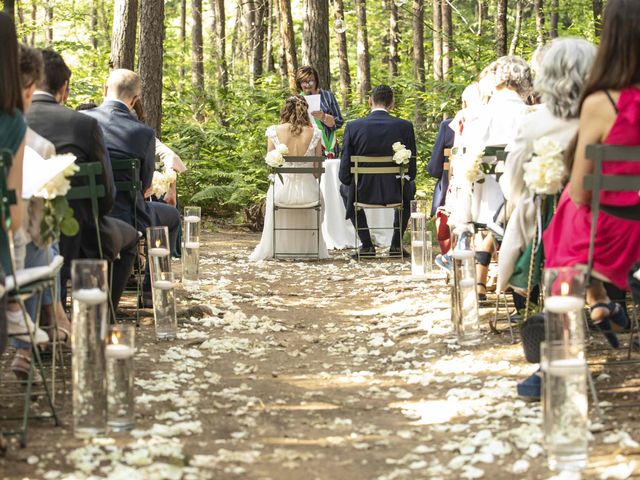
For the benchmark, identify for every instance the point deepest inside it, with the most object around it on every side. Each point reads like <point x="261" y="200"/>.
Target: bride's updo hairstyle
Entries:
<point x="296" y="113"/>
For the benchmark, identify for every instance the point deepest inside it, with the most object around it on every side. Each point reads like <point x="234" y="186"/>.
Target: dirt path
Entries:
<point x="329" y="370"/>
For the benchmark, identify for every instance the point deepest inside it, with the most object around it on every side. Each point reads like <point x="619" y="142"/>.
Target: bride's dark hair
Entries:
<point x="296" y="113"/>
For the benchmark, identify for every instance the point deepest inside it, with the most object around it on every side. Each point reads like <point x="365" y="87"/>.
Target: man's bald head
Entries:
<point x="123" y="85"/>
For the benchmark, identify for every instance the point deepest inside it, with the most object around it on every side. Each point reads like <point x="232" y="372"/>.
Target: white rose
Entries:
<point x="546" y="147"/>
<point x="397" y="146"/>
<point x="274" y="159"/>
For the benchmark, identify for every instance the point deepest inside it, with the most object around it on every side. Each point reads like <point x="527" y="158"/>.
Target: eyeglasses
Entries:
<point x="308" y="82"/>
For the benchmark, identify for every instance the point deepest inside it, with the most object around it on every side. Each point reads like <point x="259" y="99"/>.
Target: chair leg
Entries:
<point x="356" y="239"/>
<point x="594" y="397"/>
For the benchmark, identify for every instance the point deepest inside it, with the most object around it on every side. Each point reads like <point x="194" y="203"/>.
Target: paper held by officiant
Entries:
<point x="38" y="171"/>
<point x="313" y="101"/>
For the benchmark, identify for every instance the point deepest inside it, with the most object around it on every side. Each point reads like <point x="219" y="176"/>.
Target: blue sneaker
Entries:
<point x="530" y="389"/>
<point x="445" y="262"/>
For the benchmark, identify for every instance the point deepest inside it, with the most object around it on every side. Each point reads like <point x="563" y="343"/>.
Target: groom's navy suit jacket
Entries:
<point x="374" y="136"/>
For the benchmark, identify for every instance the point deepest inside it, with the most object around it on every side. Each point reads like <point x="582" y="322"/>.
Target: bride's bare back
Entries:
<point x="297" y="144"/>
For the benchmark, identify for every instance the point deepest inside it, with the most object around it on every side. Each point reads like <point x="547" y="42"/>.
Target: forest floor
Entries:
<point x="322" y="370"/>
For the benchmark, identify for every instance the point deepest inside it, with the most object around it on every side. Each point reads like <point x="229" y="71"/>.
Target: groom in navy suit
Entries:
<point x="374" y="136"/>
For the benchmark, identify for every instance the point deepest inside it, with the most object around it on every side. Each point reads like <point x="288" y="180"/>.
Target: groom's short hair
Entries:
<point x="382" y="95"/>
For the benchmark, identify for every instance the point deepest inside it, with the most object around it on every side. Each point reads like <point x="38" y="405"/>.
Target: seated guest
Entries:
<point x="75" y="133"/>
<point x="435" y="168"/>
<point x="374" y="136"/>
<point x="609" y="114"/>
<point x="126" y="137"/>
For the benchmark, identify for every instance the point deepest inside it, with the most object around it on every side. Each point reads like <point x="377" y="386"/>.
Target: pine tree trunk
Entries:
<point x="282" y="54"/>
<point x="553" y="21"/>
<point x="447" y="38"/>
<point x="48" y="32"/>
<point x="183" y="38"/>
<point x="437" y="40"/>
<point x="597" y="16"/>
<point x="418" y="43"/>
<point x="501" y="27"/>
<point x="315" y="39"/>
<point x="234" y="38"/>
<point x="150" y="60"/>
<point x="10" y="8"/>
<point x="363" y="71"/>
<point x="93" y="22"/>
<point x="289" y="42"/>
<point x="123" y="42"/>
<point x="197" y="60"/>
<point x="517" y="28"/>
<point x="269" y="63"/>
<point x="219" y="42"/>
<point x="343" y="58"/>
<point x="538" y="6"/>
<point x="257" y="38"/>
<point x="394" y="39"/>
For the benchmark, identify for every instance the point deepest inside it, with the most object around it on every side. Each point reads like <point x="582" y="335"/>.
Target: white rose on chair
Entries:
<point x="275" y="158"/>
<point x="544" y="173"/>
<point x="402" y="155"/>
<point x="162" y="181"/>
<point x="468" y="166"/>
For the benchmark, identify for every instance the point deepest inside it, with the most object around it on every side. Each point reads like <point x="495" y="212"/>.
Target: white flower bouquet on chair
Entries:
<point x="275" y="157"/>
<point x="468" y="166"/>
<point x="162" y="181"/>
<point x="402" y="154"/>
<point x="544" y="174"/>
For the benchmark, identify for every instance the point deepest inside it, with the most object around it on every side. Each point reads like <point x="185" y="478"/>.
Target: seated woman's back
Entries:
<point x="297" y="144"/>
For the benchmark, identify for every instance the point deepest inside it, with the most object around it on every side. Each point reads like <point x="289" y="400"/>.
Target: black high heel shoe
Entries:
<point x="617" y="316"/>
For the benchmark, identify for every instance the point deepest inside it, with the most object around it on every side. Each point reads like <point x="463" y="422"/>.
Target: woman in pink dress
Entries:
<point x="609" y="114"/>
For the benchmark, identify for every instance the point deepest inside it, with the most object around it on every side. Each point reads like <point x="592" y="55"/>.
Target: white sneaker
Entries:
<point x="17" y="328"/>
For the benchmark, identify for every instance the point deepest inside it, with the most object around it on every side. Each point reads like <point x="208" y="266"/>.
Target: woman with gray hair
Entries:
<point x="559" y="82"/>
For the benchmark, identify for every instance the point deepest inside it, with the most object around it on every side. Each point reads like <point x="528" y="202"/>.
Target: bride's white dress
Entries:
<point x="293" y="189"/>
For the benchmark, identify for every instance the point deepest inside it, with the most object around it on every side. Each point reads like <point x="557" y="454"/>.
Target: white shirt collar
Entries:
<point x="379" y="109"/>
<point x="42" y="92"/>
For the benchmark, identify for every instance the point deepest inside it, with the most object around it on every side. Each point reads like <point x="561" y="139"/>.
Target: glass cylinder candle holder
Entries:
<point x="120" y="397"/>
<point x="164" y="306"/>
<point x="464" y="292"/>
<point x="89" y="293"/>
<point x="191" y="247"/>
<point x="564" y="292"/>
<point x="159" y="250"/>
<point x="565" y="405"/>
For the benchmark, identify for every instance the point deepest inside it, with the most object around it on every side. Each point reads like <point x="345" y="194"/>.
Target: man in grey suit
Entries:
<point x="126" y="137"/>
<point x="72" y="132"/>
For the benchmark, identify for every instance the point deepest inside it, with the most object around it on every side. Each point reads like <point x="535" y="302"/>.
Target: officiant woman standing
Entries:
<point x="328" y="119"/>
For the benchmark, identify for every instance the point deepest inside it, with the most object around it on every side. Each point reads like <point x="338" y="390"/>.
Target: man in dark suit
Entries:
<point x="435" y="167"/>
<point x="72" y="132"/>
<point x="126" y="137"/>
<point x="374" y="136"/>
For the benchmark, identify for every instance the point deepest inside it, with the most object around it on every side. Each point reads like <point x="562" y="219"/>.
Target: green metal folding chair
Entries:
<point x="317" y="169"/>
<point x="377" y="166"/>
<point x="21" y="285"/>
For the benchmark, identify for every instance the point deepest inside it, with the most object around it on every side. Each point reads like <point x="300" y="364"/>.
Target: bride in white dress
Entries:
<point x="302" y="139"/>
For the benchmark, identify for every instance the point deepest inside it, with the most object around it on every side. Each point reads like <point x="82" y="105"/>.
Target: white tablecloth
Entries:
<point x="337" y="231"/>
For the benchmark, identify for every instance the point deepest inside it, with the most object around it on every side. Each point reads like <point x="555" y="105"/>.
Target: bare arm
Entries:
<point x="596" y="119"/>
<point x="14" y="182"/>
<point x="270" y="145"/>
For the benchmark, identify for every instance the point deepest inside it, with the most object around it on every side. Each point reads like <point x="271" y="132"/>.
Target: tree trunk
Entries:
<point x="48" y="32"/>
<point x="394" y="39"/>
<point x="183" y="38"/>
<point x="10" y="8"/>
<point x="553" y="21"/>
<point x="315" y="39"/>
<point x="150" y="60"/>
<point x="282" y="54"/>
<point x="437" y="40"/>
<point x="123" y="42"/>
<point x="538" y="6"/>
<point x="447" y="38"/>
<point x="517" y="28"/>
<point x="501" y="27"/>
<point x="234" y="37"/>
<point x="34" y="16"/>
<point x="289" y="42"/>
<point x="363" y="71"/>
<point x="219" y="42"/>
<point x="257" y="39"/>
<point x="343" y="58"/>
<point x="106" y="28"/>
<point x="597" y="16"/>
<point x="197" y="60"/>
<point x="93" y="21"/>
<point x="418" y="43"/>
<point x="269" y="63"/>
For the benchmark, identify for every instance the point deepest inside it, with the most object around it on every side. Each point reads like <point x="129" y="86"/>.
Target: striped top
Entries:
<point x="329" y="104"/>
